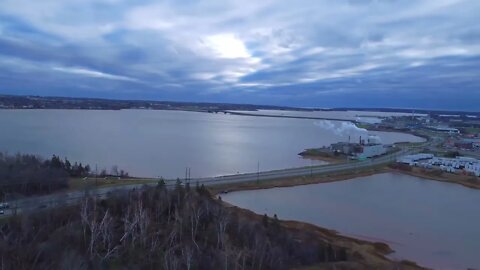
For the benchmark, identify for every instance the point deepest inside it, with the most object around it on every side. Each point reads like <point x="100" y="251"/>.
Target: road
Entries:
<point x="68" y="198"/>
<point x="289" y="116"/>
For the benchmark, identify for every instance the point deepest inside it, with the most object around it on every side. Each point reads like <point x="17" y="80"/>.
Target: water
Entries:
<point x="432" y="223"/>
<point x="163" y="143"/>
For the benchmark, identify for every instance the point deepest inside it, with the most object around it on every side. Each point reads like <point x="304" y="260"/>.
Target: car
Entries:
<point x="2" y="212"/>
<point x="4" y="205"/>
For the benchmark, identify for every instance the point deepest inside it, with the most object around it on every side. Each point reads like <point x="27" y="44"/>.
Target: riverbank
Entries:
<point x="297" y="181"/>
<point x="464" y="180"/>
<point x="323" y="154"/>
<point x="362" y="255"/>
<point x="468" y="181"/>
<point x="374" y="255"/>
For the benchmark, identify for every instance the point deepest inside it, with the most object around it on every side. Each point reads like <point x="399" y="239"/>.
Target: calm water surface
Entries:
<point x="435" y="224"/>
<point x="163" y="143"/>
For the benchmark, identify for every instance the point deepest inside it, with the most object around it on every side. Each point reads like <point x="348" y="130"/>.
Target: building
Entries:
<point x="476" y="145"/>
<point x="362" y="149"/>
<point x="452" y="165"/>
<point x="345" y="148"/>
<point x="370" y="150"/>
<point x="411" y="159"/>
<point x="445" y="129"/>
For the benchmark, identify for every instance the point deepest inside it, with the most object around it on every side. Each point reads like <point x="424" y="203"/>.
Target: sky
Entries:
<point x="306" y="53"/>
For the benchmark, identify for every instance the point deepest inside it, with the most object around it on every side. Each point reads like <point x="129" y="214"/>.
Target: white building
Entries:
<point x="371" y="150"/>
<point x="446" y="129"/>
<point x="408" y="159"/>
<point x="451" y="165"/>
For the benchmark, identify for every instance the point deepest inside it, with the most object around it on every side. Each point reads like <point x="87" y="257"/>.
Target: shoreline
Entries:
<point x="450" y="178"/>
<point x="295" y="181"/>
<point x="335" y="177"/>
<point x="362" y="254"/>
<point x="373" y="252"/>
<point x="329" y="159"/>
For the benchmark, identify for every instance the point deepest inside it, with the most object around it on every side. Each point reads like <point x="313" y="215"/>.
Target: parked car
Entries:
<point x="4" y="205"/>
<point x="2" y="212"/>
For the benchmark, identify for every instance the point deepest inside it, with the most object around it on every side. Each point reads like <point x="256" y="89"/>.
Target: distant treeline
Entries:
<point x="157" y="228"/>
<point x="38" y="102"/>
<point x="29" y="174"/>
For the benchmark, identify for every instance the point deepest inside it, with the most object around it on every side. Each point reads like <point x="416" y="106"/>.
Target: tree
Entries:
<point x="68" y="165"/>
<point x="114" y="170"/>
<point x="265" y="220"/>
<point x="55" y="162"/>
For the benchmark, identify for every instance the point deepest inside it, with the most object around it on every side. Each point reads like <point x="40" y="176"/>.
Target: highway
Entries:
<point x="67" y="198"/>
<point x="289" y="116"/>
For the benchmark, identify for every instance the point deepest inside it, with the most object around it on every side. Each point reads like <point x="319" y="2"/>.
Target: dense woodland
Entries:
<point x="156" y="228"/>
<point x="30" y="174"/>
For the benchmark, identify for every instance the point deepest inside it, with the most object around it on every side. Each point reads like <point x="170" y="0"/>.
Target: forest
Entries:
<point x="29" y="174"/>
<point x="26" y="174"/>
<point x="156" y="228"/>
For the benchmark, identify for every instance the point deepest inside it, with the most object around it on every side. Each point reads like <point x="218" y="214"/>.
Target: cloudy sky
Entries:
<point x="321" y="53"/>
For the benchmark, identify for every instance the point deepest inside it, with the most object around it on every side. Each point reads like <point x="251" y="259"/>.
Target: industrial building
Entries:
<point x="361" y="150"/>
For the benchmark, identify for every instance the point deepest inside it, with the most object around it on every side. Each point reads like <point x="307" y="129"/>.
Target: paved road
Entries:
<point x="290" y="116"/>
<point x="67" y="198"/>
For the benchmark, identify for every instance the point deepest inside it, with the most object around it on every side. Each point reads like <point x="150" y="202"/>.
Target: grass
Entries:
<point x="472" y="130"/>
<point x="81" y="183"/>
<point x="298" y="180"/>
<point x="437" y="175"/>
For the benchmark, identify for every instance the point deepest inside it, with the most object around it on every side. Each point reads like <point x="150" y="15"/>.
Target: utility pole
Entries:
<point x="96" y="175"/>
<point x="311" y="168"/>
<point x="187" y="174"/>
<point x="258" y="171"/>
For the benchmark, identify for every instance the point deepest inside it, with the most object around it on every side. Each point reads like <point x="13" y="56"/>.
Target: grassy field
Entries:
<point x="472" y="130"/>
<point x="81" y="183"/>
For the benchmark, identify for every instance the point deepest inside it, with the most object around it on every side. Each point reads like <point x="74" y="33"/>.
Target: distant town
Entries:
<point x="47" y="102"/>
<point x="38" y="102"/>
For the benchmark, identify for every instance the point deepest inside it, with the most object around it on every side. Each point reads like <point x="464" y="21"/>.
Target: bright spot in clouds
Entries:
<point x="313" y="53"/>
<point x="227" y="46"/>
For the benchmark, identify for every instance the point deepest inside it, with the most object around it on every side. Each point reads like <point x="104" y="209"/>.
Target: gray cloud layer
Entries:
<point x="322" y="53"/>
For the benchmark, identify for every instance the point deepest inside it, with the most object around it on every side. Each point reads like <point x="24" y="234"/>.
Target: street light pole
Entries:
<point x="96" y="174"/>
<point x="311" y="168"/>
<point x="258" y="171"/>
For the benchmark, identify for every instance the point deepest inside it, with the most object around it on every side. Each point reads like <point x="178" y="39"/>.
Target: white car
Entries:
<point x="2" y="212"/>
<point x="4" y="205"/>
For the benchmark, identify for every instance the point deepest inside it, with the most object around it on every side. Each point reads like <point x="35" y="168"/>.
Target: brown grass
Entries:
<point x="437" y="175"/>
<point x="81" y="183"/>
<point x="297" y="181"/>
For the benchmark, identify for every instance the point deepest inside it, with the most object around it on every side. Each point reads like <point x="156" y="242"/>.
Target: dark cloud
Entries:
<point x="308" y="53"/>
